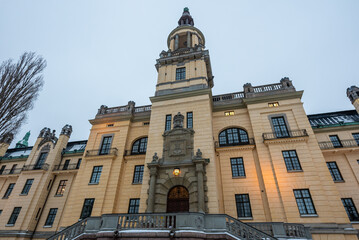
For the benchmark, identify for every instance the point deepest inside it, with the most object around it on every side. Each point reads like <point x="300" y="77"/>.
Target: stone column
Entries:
<point x="200" y="185"/>
<point x="188" y="39"/>
<point x="176" y="41"/>
<point x="152" y="189"/>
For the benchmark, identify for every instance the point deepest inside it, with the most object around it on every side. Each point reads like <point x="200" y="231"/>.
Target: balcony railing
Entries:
<point x="250" y="142"/>
<point x="340" y="144"/>
<point x="289" y="230"/>
<point x="226" y="97"/>
<point x="130" y="153"/>
<point x="143" y="109"/>
<point x="44" y="166"/>
<point x="11" y="171"/>
<point x="288" y="134"/>
<point x="65" y="167"/>
<point x="98" y="152"/>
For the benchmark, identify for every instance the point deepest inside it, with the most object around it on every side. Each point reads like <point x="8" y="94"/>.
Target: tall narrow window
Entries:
<point x="78" y="163"/>
<point x="335" y="141"/>
<point x="105" y="146"/>
<point x="280" y="127"/>
<point x="87" y="208"/>
<point x="291" y="160"/>
<point x="96" y="174"/>
<point x="9" y="190"/>
<point x="12" y="170"/>
<point x="51" y="217"/>
<point x="350" y="209"/>
<point x="2" y="169"/>
<point x="181" y="73"/>
<point x="40" y="160"/>
<point x="27" y="186"/>
<point x="168" y="122"/>
<point x="138" y="174"/>
<point x="61" y="188"/>
<point x="243" y="205"/>
<point x="66" y="164"/>
<point x="304" y="201"/>
<point x="356" y="137"/>
<point x="334" y="171"/>
<point x="190" y="120"/>
<point x="139" y="146"/>
<point x="134" y="205"/>
<point x="237" y="167"/>
<point x="15" y="213"/>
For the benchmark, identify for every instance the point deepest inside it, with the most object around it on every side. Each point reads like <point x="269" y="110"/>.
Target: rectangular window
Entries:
<point x="356" y="137"/>
<point x="0" y="211"/>
<point x="181" y="73"/>
<point x="291" y="160"/>
<point x="190" y="120"/>
<point x="134" y="205"/>
<point x="87" y="208"/>
<point x="237" y="167"/>
<point x="41" y="160"/>
<point x="51" y="217"/>
<point x="96" y="174"/>
<point x="335" y="141"/>
<point x="9" y="190"/>
<point x="78" y="163"/>
<point x="304" y="201"/>
<point x="61" y="188"/>
<point x="168" y="122"/>
<point x="350" y="209"/>
<point x="334" y="171"/>
<point x="243" y="205"/>
<point x="2" y="169"/>
<point x="138" y="174"/>
<point x="273" y="104"/>
<point x="15" y="213"/>
<point x="105" y="146"/>
<point x="280" y="127"/>
<point x="27" y="186"/>
<point x="66" y="164"/>
<point x="230" y="113"/>
<point x="12" y="170"/>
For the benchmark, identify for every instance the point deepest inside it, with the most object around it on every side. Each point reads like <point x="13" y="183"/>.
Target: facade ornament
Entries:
<point x="286" y="82"/>
<point x="131" y="106"/>
<point x="186" y="18"/>
<point x="7" y="138"/>
<point x="198" y="155"/>
<point x="353" y="93"/>
<point x="155" y="158"/>
<point x="66" y="130"/>
<point x="47" y="136"/>
<point x="24" y="142"/>
<point x="178" y="120"/>
<point x="102" y="109"/>
<point x="248" y="88"/>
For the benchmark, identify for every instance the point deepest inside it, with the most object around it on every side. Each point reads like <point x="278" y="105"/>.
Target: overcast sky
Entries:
<point x="103" y="52"/>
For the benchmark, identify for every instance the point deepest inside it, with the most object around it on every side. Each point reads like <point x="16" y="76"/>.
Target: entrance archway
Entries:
<point x="178" y="199"/>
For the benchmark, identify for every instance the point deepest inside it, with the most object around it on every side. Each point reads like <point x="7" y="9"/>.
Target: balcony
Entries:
<point x="249" y="144"/>
<point x="289" y="134"/>
<point x="11" y="171"/>
<point x="31" y="167"/>
<point x="341" y="144"/>
<point x="64" y="167"/>
<point x="98" y="154"/>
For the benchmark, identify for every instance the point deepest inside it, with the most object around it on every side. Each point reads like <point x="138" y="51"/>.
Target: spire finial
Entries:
<point x="186" y="18"/>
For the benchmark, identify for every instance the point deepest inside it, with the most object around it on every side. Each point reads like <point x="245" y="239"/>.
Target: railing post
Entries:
<point x="278" y="230"/>
<point x="93" y="224"/>
<point x="109" y="222"/>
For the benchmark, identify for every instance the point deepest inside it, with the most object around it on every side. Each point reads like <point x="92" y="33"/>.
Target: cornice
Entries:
<point x="286" y="140"/>
<point x="273" y="97"/>
<point x="135" y="157"/>
<point x="180" y="95"/>
<point x="336" y="128"/>
<point x="235" y="148"/>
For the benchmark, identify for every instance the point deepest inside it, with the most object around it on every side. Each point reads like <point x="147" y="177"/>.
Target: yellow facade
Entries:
<point x="111" y="147"/>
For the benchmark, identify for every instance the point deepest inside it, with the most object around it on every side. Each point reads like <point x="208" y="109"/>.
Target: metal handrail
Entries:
<point x="11" y="171"/>
<point x="339" y="144"/>
<point x="65" y="167"/>
<point x="250" y="142"/>
<point x="97" y="152"/>
<point x="288" y="134"/>
<point x="44" y="166"/>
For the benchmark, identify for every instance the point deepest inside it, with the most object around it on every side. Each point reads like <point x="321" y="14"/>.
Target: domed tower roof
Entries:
<point x="186" y="18"/>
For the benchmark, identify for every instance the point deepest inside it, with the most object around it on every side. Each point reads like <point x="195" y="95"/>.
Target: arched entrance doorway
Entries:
<point x="178" y="199"/>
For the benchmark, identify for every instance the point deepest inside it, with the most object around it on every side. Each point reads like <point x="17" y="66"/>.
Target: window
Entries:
<point x="9" y="190"/>
<point x="61" y="188"/>
<point x="51" y="217"/>
<point x="12" y="170"/>
<point x="66" y="165"/>
<point x="334" y="171"/>
<point x="15" y="213"/>
<point x="139" y="146"/>
<point x="181" y="73"/>
<point x="190" y="120"/>
<point x="78" y="163"/>
<point x="243" y="205"/>
<point x="0" y="211"/>
<point x="273" y="104"/>
<point x="279" y="126"/>
<point x="27" y="186"/>
<point x="96" y="174"/>
<point x="41" y="160"/>
<point x="230" y="113"/>
<point x="291" y="160"/>
<point x="138" y="174"/>
<point x="134" y="205"/>
<point x="232" y="137"/>
<point x="350" y="209"/>
<point x="2" y="169"/>
<point x="105" y="146"/>
<point x="356" y="137"/>
<point x="87" y="208"/>
<point x="237" y="167"/>
<point x="146" y="123"/>
<point x="168" y="122"/>
<point x="110" y="125"/>
<point x="335" y="141"/>
<point x="304" y="201"/>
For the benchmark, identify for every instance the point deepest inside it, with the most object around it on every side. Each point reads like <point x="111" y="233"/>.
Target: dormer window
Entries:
<point x="181" y="73"/>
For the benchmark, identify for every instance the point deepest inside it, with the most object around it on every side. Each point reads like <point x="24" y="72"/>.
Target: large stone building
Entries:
<point x="191" y="164"/>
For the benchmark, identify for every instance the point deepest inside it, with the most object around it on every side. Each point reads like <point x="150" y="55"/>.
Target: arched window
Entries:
<point x="232" y="137"/>
<point x="139" y="146"/>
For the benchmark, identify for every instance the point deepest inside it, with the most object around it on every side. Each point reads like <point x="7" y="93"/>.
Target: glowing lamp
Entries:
<point x="176" y="171"/>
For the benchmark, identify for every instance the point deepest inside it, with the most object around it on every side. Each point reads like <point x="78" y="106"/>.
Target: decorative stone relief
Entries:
<point x="66" y="130"/>
<point x="47" y="136"/>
